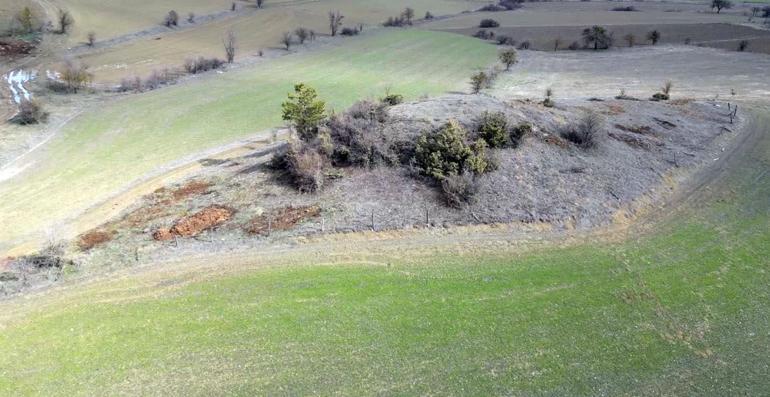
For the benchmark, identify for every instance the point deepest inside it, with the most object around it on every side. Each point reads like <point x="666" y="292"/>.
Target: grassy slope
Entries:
<point x="109" y="147"/>
<point x="255" y="30"/>
<point x="682" y="312"/>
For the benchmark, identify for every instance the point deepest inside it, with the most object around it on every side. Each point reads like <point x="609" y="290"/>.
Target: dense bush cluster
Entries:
<point x="30" y="112"/>
<point x="488" y="23"/>
<point x="405" y="19"/>
<point x="502" y="5"/>
<point x="201" y="64"/>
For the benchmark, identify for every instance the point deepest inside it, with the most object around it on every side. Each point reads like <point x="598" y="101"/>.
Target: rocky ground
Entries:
<point x="644" y="149"/>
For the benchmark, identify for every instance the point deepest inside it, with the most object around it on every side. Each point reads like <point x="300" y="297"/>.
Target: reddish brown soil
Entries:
<point x="193" y="225"/>
<point x="11" y="47"/>
<point x="94" y="238"/>
<point x="281" y="219"/>
<point x="192" y="188"/>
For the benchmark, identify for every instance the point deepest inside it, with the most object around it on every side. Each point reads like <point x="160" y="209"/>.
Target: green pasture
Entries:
<point x="682" y="310"/>
<point x="109" y="147"/>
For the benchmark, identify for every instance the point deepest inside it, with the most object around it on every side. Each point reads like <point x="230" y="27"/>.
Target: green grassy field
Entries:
<point x="107" y="148"/>
<point x="255" y="31"/>
<point x="683" y="311"/>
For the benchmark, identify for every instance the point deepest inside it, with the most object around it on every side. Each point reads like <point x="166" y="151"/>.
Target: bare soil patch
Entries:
<point x="193" y="225"/>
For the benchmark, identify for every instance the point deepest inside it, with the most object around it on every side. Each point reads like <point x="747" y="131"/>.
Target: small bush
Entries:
<point x="659" y="96"/>
<point x="586" y="132"/>
<point x="349" y="31"/>
<point x="506" y="40"/>
<point x="493" y="128"/>
<point x="460" y="189"/>
<point x="442" y="152"/>
<point x="484" y="35"/>
<point x="171" y="19"/>
<point x="30" y="112"/>
<point x="574" y="46"/>
<point x="488" y="23"/>
<point x="393" y="99"/>
<point x="428" y="16"/>
<point x="518" y="133"/>
<point x="742" y="45"/>
<point x="627" y="8"/>
<point x="525" y="45"/>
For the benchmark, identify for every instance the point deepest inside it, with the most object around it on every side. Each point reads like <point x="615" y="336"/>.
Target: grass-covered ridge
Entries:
<point x="107" y="148"/>
<point x="682" y="311"/>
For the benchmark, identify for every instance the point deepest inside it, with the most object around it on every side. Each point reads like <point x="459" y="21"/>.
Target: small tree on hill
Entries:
<point x="653" y="37"/>
<point x="598" y="37"/>
<point x="721" y="4"/>
<point x="229" y="44"/>
<point x="508" y="58"/>
<point x="65" y="21"/>
<point x="287" y="40"/>
<point x="304" y="111"/>
<point x="335" y="21"/>
<point x="302" y="34"/>
<point x="26" y="20"/>
<point x="407" y="15"/>
<point x="75" y="76"/>
<point x="172" y="19"/>
<point x="478" y="81"/>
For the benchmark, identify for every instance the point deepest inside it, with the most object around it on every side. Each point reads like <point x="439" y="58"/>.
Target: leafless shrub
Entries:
<point x="74" y="77"/>
<point x="335" y="21"/>
<point x="304" y="164"/>
<point x="585" y="132"/>
<point x="65" y="21"/>
<point x="459" y="190"/>
<point x="91" y="39"/>
<point x="229" y="45"/>
<point x="287" y="39"/>
<point x="302" y="34"/>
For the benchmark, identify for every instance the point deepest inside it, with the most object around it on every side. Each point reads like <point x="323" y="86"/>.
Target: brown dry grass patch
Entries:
<point x="281" y="219"/>
<point x="191" y="188"/>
